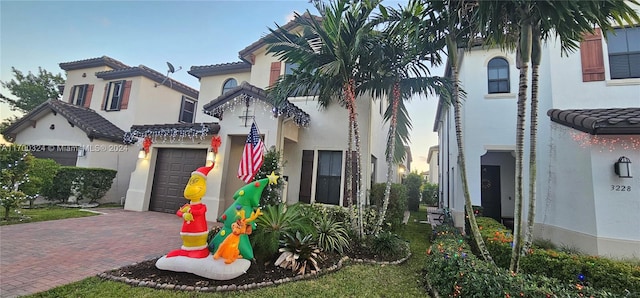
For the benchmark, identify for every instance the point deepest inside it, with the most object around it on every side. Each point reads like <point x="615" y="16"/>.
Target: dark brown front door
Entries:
<point x="173" y="170"/>
<point x="490" y="192"/>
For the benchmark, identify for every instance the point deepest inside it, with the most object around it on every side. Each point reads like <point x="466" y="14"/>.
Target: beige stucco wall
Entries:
<point x="211" y="88"/>
<point x="75" y="77"/>
<point x="100" y="154"/>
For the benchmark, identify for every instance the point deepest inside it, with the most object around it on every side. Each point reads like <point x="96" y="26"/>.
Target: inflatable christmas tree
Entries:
<point x="246" y="199"/>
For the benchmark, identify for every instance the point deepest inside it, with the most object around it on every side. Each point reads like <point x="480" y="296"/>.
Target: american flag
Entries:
<point x="252" y="156"/>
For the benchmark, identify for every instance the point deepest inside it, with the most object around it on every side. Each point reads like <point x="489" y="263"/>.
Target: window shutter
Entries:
<point x="87" y="96"/>
<point x="275" y="72"/>
<point x="306" y="176"/>
<point x="125" y="95"/>
<point x="73" y="91"/>
<point x="104" y="97"/>
<point x="591" y="57"/>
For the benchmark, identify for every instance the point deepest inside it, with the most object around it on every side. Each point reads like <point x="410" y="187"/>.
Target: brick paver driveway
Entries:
<point x="35" y="257"/>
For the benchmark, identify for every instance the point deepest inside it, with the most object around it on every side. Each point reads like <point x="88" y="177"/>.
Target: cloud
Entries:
<point x="288" y="18"/>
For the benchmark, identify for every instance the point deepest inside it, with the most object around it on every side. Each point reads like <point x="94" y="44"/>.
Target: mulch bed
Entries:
<point x="259" y="274"/>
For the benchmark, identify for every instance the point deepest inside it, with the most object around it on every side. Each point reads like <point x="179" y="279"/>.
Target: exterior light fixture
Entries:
<point x="401" y="169"/>
<point x="622" y="167"/>
<point x="142" y="154"/>
<point x="211" y="156"/>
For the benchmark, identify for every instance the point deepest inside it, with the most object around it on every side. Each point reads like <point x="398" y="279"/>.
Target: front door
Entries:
<point x="490" y="192"/>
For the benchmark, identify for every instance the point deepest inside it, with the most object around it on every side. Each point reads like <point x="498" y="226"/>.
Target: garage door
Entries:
<point x="63" y="157"/>
<point x="173" y="169"/>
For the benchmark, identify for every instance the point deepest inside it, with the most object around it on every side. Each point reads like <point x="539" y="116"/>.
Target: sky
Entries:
<point x="185" y="33"/>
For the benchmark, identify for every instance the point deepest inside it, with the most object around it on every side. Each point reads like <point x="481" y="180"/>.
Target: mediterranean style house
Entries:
<point x="102" y="98"/>
<point x="588" y="165"/>
<point x="313" y="141"/>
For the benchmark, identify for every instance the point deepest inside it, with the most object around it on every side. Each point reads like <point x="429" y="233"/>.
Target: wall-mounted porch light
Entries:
<point x="142" y="154"/>
<point x="623" y="167"/>
<point x="211" y="156"/>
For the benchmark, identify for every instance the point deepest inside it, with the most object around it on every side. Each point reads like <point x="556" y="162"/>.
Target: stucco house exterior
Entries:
<point x="101" y="100"/>
<point x="432" y="161"/>
<point x="589" y="118"/>
<point x="313" y="141"/>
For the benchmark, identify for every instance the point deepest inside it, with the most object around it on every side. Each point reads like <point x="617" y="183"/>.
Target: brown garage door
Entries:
<point x="61" y="154"/>
<point x="173" y="169"/>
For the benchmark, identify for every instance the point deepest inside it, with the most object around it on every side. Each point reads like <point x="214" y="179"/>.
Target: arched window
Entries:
<point x="228" y="85"/>
<point x="498" y="74"/>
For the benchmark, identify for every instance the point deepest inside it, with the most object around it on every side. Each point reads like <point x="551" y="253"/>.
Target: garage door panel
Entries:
<point x="173" y="169"/>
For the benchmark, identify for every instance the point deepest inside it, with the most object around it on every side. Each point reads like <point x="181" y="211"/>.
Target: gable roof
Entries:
<point x="245" y="54"/>
<point x="93" y="62"/>
<point x="94" y="125"/>
<point x="149" y="73"/>
<point x="219" y="69"/>
<point x="617" y="121"/>
<point x="217" y="106"/>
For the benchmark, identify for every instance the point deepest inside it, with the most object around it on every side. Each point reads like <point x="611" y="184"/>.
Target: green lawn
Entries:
<point x="46" y="213"/>
<point x="350" y="281"/>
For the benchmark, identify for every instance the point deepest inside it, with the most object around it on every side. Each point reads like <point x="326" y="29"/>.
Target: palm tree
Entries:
<point x="401" y="73"/>
<point x="332" y="55"/>
<point x="523" y="25"/>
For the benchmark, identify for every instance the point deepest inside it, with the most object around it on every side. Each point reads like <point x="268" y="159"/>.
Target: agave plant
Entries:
<point x="298" y="253"/>
<point x="332" y="234"/>
<point x="275" y="221"/>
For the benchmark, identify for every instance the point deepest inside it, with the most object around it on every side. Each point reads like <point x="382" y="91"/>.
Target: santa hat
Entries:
<point x="203" y="171"/>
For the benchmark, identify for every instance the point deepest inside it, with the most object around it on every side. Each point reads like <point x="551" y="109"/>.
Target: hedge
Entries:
<point x="85" y="183"/>
<point x="451" y="270"/>
<point x="600" y="273"/>
<point x="397" y="203"/>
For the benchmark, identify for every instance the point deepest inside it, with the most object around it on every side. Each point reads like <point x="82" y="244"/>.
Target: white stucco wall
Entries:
<point x="211" y="88"/>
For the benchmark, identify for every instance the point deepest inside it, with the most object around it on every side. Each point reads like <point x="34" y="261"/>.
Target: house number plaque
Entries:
<point x="620" y="187"/>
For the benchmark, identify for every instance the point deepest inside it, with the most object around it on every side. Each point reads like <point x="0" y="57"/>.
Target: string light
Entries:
<point x="605" y="142"/>
<point x="286" y="109"/>
<point x="171" y="135"/>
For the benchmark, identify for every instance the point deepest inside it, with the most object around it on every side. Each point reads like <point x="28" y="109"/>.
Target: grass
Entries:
<point x="44" y="214"/>
<point x="355" y="280"/>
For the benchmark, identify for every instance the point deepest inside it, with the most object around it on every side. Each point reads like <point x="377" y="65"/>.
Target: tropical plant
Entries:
<point x="275" y="221"/>
<point x="523" y="25"/>
<point x="298" y="252"/>
<point x="387" y="245"/>
<point x="332" y="55"/>
<point x="331" y="234"/>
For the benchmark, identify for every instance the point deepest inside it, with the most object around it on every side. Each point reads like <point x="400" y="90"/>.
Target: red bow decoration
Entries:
<point x="146" y="144"/>
<point x="215" y="143"/>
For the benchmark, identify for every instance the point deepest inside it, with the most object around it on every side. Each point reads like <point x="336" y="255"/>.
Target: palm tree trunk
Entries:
<point x="524" y="56"/>
<point x="348" y="166"/>
<point x="536" y="56"/>
<point x="392" y="150"/>
<point x="358" y="164"/>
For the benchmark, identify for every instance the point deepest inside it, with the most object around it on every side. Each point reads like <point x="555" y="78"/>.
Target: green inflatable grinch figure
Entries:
<point x="246" y="198"/>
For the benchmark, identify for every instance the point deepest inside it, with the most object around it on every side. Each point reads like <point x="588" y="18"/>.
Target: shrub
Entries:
<point x="275" y="221"/>
<point x="397" y="203"/>
<point x="387" y="245"/>
<point x="413" y="183"/>
<point x="600" y="273"/>
<point x="14" y="166"/>
<point x="430" y="194"/>
<point x="298" y="252"/>
<point x="84" y="183"/>
<point x="272" y="194"/>
<point x="332" y="234"/>
<point x="41" y="174"/>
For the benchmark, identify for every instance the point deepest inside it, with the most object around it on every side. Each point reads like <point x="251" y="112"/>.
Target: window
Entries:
<point x="290" y="67"/>
<point x="115" y="90"/>
<point x="78" y="94"/>
<point x="374" y="162"/>
<point x="624" y="53"/>
<point x="228" y="85"/>
<point x="187" y="110"/>
<point x="498" y="73"/>
<point x="328" y="180"/>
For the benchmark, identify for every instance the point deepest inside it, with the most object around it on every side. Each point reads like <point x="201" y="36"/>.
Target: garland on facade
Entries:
<point x="286" y="109"/>
<point x="168" y="135"/>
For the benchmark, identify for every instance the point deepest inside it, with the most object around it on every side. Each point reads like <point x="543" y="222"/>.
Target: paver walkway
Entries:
<point x="38" y="256"/>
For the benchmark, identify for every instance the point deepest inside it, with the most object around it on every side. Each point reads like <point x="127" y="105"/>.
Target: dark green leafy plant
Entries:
<point x="387" y="245"/>
<point x="413" y="183"/>
<point x="397" y="204"/>
<point x="41" y="174"/>
<point x="430" y="194"/>
<point x="84" y="183"/>
<point x="275" y="221"/>
<point x="298" y="253"/>
<point x="14" y="167"/>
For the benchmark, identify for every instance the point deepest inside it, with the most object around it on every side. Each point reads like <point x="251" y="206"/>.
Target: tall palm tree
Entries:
<point x="402" y="72"/>
<point x="523" y="25"/>
<point x="332" y="56"/>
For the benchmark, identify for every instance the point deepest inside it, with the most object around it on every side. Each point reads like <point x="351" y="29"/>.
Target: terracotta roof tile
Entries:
<point x="93" y="62"/>
<point x="218" y="69"/>
<point x="150" y="73"/>
<point x="616" y="121"/>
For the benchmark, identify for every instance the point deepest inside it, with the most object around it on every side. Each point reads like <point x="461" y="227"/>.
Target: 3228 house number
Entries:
<point x="620" y="187"/>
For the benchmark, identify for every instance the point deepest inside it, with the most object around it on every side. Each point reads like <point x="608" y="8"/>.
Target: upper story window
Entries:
<point x="498" y="75"/>
<point x="228" y="85"/>
<point x="290" y="67"/>
<point x="624" y="53"/>
<point x="113" y="97"/>
<point x="187" y="110"/>
<point x="78" y="94"/>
